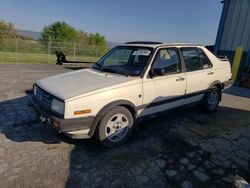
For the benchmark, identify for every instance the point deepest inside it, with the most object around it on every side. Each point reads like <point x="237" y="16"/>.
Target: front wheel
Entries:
<point x="212" y="100"/>
<point x="115" y="127"/>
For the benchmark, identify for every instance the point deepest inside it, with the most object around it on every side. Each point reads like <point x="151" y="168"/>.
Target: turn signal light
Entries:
<point x="87" y="111"/>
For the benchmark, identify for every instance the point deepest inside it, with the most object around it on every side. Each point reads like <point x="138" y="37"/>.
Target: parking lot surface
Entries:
<point x="182" y="148"/>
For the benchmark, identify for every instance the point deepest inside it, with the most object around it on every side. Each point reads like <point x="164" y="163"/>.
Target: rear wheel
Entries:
<point x="115" y="127"/>
<point x="212" y="100"/>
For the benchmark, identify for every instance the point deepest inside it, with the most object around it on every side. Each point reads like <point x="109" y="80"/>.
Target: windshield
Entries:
<point x="126" y="60"/>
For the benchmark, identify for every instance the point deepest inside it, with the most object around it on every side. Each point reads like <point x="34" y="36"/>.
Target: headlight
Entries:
<point x="57" y="106"/>
<point x="34" y="89"/>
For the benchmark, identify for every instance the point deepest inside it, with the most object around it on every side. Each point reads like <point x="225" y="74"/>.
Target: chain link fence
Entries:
<point x="16" y="50"/>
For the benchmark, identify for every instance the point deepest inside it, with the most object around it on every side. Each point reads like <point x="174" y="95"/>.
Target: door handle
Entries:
<point x="210" y="73"/>
<point x="180" y="79"/>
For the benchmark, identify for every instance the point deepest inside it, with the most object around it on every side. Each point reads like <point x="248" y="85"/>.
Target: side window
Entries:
<point x="192" y="59"/>
<point x="206" y="63"/>
<point x="166" y="62"/>
<point x="195" y="59"/>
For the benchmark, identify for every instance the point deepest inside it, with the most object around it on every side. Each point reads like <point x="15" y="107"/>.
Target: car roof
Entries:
<point x="159" y="44"/>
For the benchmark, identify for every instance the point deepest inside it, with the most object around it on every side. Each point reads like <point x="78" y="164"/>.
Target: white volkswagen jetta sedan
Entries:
<point x="131" y="81"/>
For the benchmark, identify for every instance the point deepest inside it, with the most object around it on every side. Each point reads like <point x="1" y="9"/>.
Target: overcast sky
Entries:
<point x="122" y="20"/>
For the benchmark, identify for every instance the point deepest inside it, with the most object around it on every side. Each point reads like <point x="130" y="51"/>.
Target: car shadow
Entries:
<point x="20" y="123"/>
<point x="156" y="146"/>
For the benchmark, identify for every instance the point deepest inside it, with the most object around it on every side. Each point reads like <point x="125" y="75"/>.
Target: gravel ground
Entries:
<point x="184" y="148"/>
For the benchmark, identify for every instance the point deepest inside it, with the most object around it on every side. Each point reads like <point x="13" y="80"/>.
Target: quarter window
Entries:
<point x="206" y="63"/>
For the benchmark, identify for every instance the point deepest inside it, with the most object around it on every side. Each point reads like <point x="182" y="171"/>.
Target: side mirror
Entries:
<point x="157" y="72"/>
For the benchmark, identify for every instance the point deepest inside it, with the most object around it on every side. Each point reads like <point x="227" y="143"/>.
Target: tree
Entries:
<point x="82" y="38"/>
<point x="7" y="29"/>
<point x="59" y="31"/>
<point x="66" y="38"/>
<point x="8" y="36"/>
<point x="96" y="39"/>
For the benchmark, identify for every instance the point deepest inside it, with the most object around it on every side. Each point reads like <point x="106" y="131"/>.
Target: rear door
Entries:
<point x="166" y="87"/>
<point x="199" y="73"/>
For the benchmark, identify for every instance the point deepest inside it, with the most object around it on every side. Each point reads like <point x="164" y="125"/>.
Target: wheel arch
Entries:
<point x="125" y="103"/>
<point x="217" y="84"/>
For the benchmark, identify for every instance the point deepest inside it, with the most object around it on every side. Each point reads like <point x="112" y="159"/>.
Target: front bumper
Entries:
<point x="76" y="128"/>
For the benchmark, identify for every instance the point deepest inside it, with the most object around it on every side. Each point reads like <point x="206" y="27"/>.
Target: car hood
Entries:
<point x="67" y="85"/>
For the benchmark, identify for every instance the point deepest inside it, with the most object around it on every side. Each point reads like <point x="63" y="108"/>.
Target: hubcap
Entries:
<point x="117" y="128"/>
<point x="213" y="99"/>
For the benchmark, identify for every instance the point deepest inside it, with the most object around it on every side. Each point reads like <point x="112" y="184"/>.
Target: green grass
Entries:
<point x="38" y="58"/>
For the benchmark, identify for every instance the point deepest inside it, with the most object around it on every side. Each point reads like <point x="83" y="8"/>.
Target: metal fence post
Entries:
<point x="49" y="49"/>
<point x="74" y="51"/>
<point x="17" y="48"/>
<point x="95" y="51"/>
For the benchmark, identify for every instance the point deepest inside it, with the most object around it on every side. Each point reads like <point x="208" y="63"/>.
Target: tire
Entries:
<point x="115" y="127"/>
<point x="212" y="99"/>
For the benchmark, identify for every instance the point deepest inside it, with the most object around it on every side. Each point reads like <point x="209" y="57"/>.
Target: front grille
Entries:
<point x="44" y="97"/>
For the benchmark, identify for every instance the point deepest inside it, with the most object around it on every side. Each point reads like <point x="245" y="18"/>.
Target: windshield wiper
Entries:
<point x="109" y="70"/>
<point x="113" y="71"/>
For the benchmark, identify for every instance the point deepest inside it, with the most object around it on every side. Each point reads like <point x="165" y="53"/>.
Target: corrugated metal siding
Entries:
<point x="236" y="31"/>
<point x="227" y="26"/>
<point x="238" y="24"/>
<point x="243" y="34"/>
<point x="246" y="33"/>
<point x="232" y="27"/>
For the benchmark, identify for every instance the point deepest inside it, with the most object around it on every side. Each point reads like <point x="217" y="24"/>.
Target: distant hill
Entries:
<point x="113" y="44"/>
<point x="33" y="34"/>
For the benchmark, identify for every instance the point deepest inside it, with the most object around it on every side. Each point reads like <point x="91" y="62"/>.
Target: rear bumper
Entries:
<point x="228" y="83"/>
<point x="77" y="128"/>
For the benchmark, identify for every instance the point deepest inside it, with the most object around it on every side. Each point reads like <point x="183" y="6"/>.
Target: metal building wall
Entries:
<point x="234" y="31"/>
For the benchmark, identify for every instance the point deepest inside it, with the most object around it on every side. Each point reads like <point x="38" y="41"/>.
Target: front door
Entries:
<point x="165" y="87"/>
